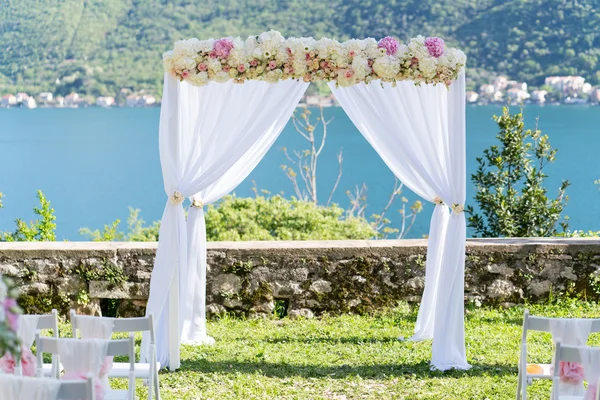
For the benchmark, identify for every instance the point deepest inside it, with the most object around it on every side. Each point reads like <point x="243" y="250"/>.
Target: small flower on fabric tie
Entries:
<point x="177" y="198"/>
<point x="570" y="372"/>
<point x="438" y="201"/>
<point x="197" y="203"/>
<point x="435" y="46"/>
<point x="458" y="208"/>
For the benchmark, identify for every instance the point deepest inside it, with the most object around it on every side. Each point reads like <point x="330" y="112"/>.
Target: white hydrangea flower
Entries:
<point x="361" y="68"/>
<point x="299" y="67"/>
<point x="325" y="46"/>
<point x="386" y="67"/>
<point x="221" y="76"/>
<point x="355" y="45"/>
<point x="417" y="47"/>
<point x="186" y="48"/>
<point x="300" y="46"/>
<point x="402" y="51"/>
<point x="199" y="79"/>
<point x="371" y="49"/>
<point x="273" y="76"/>
<point x="206" y="46"/>
<point x="270" y="42"/>
<point x="428" y="67"/>
<point x="214" y="65"/>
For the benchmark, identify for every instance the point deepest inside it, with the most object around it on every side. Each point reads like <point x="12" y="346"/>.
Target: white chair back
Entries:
<point x="587" y="357"/>
<point x="95" y="349"/>
<point x="20" y="388"/>
<point x="149" y="370"/>
<point x="29" y="326"/>
<point x="576" y="330"/>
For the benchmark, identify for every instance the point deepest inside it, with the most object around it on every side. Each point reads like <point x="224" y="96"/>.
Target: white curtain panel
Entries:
<point x="590" y="357"/>
<point x="210" y="138"/>
<point x="20" y="388"/>
<point x="419" y="132"/>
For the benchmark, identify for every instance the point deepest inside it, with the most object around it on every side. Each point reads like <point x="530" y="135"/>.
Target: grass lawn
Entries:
<point x="359" y="357"/>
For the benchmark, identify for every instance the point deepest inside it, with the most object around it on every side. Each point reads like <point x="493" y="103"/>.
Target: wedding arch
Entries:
<point x="408" y="100"/>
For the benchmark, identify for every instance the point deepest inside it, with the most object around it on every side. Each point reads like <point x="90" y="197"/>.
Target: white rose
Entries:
<point x="386" y="67"/>
<point x="361" y="68"/>
<point x="371" y="49"/>
<point x="344" y="81"/>
<point x="428" y="66"/>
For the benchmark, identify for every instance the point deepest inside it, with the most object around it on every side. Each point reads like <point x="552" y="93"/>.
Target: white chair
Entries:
<point x="79" y="352"/>
<point x="19" y="388"/>
<point x="544" y="324"/>
<point x="29" y="325"/>
<point x="589" y="357"/>
<point x="147" y="371"/>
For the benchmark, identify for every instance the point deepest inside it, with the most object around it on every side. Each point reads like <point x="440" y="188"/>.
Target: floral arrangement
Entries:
<point x="271" y="57"/>
<point x="9" y="317"/>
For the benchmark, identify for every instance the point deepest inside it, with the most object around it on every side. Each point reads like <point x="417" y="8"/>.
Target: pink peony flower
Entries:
<point x="11" y="317"/>
<point x="389" y="44"/>
<point x="28" y="363"/>
<point x="349" y="73"/>
<point x="202" y="67"/>
<point x="435" y="46"/>
<point x="570" y="372"/>
<point x="223" y="47"/>
<point x="272" y="65"/>
<point x="77" y="376"/>
<point x="185" y="73"/>
<point x="241" y="68"/>
<point x="254" y="62"/>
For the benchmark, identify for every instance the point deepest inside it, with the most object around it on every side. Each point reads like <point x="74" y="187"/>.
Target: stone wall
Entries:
<point x="302" y="278"/>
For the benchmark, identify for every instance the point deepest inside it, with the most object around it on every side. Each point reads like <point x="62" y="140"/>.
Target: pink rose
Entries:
<point x="351" y="53"/>
<point x="226" y="68"/>
<point x="435" y="46"/>
<point x="185" y="73"/>
<point x="241" y="68"/>
<point x="570" y="372"/>
<point x="307" y="57"/>
<point x="254" y="62"/>
<point x="272" y="65"/>
<point x="77" y="376"/>
<point x="389" y="44"/>
<point x="291" y="70"/>
<point x="212" y="54"/>
<point x="28" y="362"/>
<point x="349" y="73"/>
<point x="11" y="317"/>
<point x="202" y="67"/>
<point x="222" y="47"/>
<point x="289" y="51"/>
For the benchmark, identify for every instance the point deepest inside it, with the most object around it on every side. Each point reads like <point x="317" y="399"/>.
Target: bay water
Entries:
<point x="94" y="163"/>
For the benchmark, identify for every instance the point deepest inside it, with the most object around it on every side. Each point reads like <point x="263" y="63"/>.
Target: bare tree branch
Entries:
<point x="340" y="160"/>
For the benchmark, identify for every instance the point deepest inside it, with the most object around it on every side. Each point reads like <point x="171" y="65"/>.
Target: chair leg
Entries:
<point x="150" y="383"/>
<point x="156" y="386"/>
<point x="519" y="384"/>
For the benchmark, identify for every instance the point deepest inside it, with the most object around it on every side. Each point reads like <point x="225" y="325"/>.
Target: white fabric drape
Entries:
<point x="82" y="355"/>
<point x="419" y="132"/>
<point x="207" y="137"/>
<point x="19" y="388"/>
<point x="571" y="332"/>
<point x="27" y="329"/>
<point x="590" y="359"/>
<point x="91" y="327"/>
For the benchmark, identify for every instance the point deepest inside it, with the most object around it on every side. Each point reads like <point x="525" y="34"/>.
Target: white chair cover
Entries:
<point x="204" y="133"/>
<point x="571" y="332"/>
<point x="20" y="388"/>
<point x="419" y="132"/>
<point x="91" y="327"/>
<point x="27" y="329"/>
<point x="82" y="355"/>
<point x="590" y="357"/>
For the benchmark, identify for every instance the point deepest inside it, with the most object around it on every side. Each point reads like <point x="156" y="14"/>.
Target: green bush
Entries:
<point x="40" y="230"/>
<point x="510" y="178"/>
<point x="257" y="218"/>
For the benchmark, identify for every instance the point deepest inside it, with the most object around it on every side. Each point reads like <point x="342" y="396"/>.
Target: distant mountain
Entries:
<point x="100" y="46"/>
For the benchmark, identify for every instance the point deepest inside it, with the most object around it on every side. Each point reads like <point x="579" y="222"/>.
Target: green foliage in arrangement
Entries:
<point x="511" y="196"/>
<point x="100" y="46"/>
<point x="41" y="230"/>
<point x="256" y="218"/>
